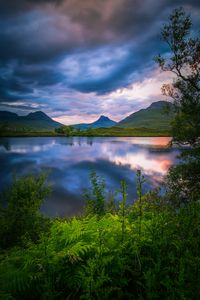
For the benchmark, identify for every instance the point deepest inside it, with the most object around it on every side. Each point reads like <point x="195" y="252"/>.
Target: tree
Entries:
<point x="67" y="130"/>
<point x="21" y="217"/>
<point x="184" y="62"/>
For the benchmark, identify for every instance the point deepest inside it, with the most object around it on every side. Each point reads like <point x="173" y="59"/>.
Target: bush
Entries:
<point x="21" y="218"/>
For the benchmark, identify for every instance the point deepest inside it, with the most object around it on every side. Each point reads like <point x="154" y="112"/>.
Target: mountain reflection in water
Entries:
<point x="70" y="160"/>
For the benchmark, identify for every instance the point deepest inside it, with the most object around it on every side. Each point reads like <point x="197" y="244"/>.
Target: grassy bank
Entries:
<point x="117" y="131"/>
<point x="109" y="132"/>
<point x="29" y="133"/>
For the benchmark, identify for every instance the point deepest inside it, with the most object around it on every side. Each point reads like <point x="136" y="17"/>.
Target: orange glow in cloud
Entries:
<point x="148" y="88"/>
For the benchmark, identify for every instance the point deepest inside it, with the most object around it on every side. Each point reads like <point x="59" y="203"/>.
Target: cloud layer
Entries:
<point x="77" y="59"/>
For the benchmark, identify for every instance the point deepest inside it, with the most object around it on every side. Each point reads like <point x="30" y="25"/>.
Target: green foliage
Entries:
<point x="20" y="219"/>
<point x="117" y="131"/>
<point x="26" y="133"/>
<point x="140" y="181"/>
<point x="67" y="130"/>
<point x="184" y="62"/>
<point x="112" y="205"/>
<point x="183" y="183"/>
<point x="148" y="250"/>
<point x="122" y="207"/>
<point x="95" y="200"/>
<point x="114" y="131"/>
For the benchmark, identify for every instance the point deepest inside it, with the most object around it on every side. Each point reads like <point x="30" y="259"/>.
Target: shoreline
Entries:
<point x="64" y="136"/>
<point x="50" y="134"/>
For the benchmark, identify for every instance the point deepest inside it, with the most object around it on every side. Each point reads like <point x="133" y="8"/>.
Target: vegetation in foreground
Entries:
<point x="149" y="250"/>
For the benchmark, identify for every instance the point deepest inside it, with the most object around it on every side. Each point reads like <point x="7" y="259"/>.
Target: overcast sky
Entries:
<point x="78" y="59"/>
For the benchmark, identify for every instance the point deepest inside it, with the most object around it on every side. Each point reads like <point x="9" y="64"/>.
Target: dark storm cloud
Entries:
<point x="39" y="30"/>
<point x="42" y="76"/>
<point x="124" y="71"/>
<point x="90" y="46"/>
<point x="11" y="87"/>
<point x="10" y="7"/>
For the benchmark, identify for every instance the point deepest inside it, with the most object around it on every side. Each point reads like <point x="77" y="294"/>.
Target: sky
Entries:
<point x="78" y="59"/>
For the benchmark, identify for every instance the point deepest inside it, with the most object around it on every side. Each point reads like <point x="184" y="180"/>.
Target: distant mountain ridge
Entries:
<point x="34" y="121"/>
<point x="103" y="121"/>
<point x="152" y="117"/>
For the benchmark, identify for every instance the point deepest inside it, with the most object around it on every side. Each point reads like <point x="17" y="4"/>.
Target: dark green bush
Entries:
<point x="21" y="219"/>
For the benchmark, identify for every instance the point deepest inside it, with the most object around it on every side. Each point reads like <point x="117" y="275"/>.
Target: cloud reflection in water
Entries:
<point x="70" y="161"/>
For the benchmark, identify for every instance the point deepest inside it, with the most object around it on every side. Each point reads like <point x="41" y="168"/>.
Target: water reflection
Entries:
<point x="70" y="160"/>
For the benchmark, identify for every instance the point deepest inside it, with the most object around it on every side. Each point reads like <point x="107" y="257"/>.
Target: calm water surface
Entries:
<point x="70" y="160"/>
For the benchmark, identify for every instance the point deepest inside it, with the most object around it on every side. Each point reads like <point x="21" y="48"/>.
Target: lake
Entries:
<point x="70" y="160"/>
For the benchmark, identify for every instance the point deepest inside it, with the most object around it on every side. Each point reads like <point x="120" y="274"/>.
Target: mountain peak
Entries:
<point x="38" y="115"/>
<point x="102" y="121"/>
<point x="103" y="118"/>
<point x="159" y="104"/>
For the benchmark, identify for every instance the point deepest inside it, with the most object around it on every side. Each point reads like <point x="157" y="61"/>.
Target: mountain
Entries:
<point x="152" y="117"/>
<point x="103" y="121"/>
<point x="38" y="115"/>
<point x="36" y="121"/>
<point x="6" y="115"/>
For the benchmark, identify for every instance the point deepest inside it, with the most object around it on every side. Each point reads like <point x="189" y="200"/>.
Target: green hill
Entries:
<point x="153" y="117"/>
<point x="37" y="122"/>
